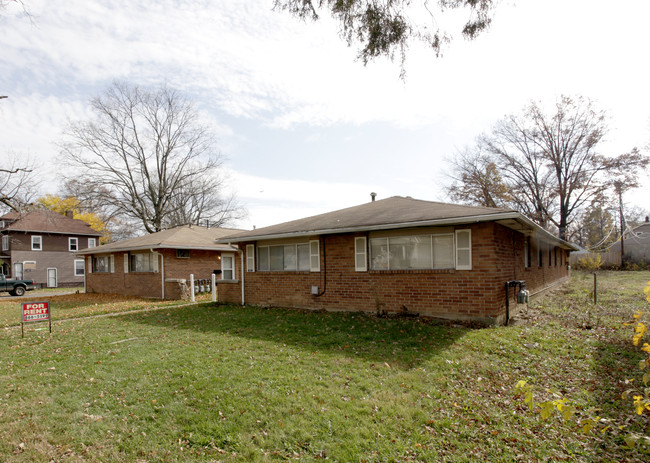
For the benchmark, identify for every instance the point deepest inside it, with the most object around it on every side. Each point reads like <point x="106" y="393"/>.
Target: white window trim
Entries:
<point x="111" y="260"/>
<point x="75" y="241"/>
<point x="92" y="242"/>
<point x="126" y="263"/>
<point x="153" y="260"/>
<point x="40" y="240"/>
<point x="83" y="269"/>
<point x="433" y="251"/>
<point x="5" y="242"/>
<point x="223" y="259"/>
<point x="266" y="251"/>
<point x="250" y="257"/>
<point x="89" y="264"/>
<point x="469" y="248"/>
<point x="314" y="256"/>
<point x="360" y="249"/>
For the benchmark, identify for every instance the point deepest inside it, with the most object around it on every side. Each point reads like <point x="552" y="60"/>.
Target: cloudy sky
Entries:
<point x="306" y="128"/>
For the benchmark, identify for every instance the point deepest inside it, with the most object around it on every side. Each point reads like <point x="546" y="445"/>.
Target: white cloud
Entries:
<point x="251" y="68"/>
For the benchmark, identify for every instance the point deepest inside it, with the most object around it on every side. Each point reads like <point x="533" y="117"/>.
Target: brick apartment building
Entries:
<point x="158" y="265"/>
<point x="399" y="255"/>
<point x="41" y="245"/>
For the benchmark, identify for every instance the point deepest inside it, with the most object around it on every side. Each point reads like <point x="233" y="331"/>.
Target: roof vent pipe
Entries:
<point x="373" y="195"/>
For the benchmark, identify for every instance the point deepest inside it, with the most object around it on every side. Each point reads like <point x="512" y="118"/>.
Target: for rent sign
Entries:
<point x="36" y="312"/>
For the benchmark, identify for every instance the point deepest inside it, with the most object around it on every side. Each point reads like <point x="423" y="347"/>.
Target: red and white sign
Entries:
<point x="36" y="311"/>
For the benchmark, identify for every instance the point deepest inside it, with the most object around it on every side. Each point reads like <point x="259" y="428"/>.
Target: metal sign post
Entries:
<point x="35" y="312"/>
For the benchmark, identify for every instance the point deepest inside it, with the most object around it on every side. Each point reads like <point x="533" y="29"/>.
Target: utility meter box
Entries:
<point x="523" y="296"/>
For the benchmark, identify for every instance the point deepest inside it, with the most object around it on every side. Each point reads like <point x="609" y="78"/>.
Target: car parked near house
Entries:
<point x="15" y="287"/>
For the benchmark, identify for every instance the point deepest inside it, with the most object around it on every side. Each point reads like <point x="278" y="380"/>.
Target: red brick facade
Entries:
<point x="174" y="271"/>
<point x="476" y="294"/>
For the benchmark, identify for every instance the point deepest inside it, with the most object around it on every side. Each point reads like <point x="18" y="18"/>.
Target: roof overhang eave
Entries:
<point x="104" y="250"/>
<point x="528" y="224"/>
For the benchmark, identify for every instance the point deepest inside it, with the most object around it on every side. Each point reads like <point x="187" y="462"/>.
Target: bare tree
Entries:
<point x="476" y="180"/>
<point x="17" y="183"/>
<point x="144" y="155"/>
<point x="549" y="161"/>
<point x="190" y="205"/>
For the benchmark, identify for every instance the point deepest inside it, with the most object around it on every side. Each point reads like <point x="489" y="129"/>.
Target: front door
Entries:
<point x="51" y="278"/>
<point x="18" y="271"/>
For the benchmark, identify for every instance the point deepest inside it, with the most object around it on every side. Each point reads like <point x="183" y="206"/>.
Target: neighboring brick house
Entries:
<point x="41" y="245"/>
<point x="398" y="255"/>
<point x="158" y="265"/>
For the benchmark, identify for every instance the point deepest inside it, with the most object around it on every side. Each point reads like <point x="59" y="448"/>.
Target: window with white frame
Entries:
<point x="250" y="257"/>
<point x="5" y="242"/>
<point x="143" y="262"/>
<point x="79" y="267"/>
<point x="102" y="264"/>
<point x="314" y="256"/>
<point x="360" y="254"/>
<point x="73" y="244"/>
<point x="37" y="243"/>
<point x="284" y="257"/>
<point x="92" y="242"/>
<point x="412" y="252"/>
<point x="463" y="250"/>
<point x="227" y="266"/>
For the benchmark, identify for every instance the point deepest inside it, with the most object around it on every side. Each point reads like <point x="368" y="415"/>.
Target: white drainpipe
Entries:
<point x="243" y="298"/>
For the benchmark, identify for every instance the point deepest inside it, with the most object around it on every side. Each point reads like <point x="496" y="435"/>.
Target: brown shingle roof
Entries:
<point x="391" y="212"/>
<point x="184" y="237"/>
<point x="46" y="221"/>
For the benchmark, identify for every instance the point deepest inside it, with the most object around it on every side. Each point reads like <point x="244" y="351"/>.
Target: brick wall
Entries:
<point x="149" y="284"/>
<point x="477" y="294"/>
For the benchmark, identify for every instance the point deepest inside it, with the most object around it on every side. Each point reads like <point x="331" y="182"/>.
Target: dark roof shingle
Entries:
<point x="46" y="221"/>
<point x="393" y="211"/>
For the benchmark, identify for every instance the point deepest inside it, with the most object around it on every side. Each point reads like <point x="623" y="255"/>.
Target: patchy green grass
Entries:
<point x="80" y="305"/>
<point x="224" y="383"/>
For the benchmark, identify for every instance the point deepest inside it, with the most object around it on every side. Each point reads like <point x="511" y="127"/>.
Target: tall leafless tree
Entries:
<point x="550" y="163"/>
<point x="17" y="183"/>
<point x="146" y="156"/>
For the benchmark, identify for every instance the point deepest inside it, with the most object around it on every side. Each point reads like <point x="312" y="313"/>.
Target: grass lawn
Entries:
<point x="80" y="305"/>
<point x="224" y="383"/>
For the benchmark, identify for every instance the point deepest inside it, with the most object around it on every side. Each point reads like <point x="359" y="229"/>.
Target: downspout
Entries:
<point x="324" y="272"/>
<point x="241" y="255"/>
